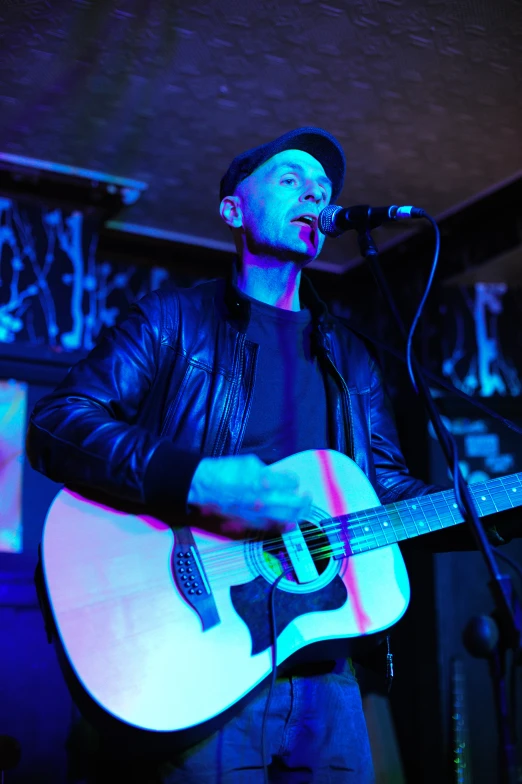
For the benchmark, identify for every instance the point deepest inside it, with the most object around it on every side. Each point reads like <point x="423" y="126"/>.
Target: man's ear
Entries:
<point x="230" y="211"/>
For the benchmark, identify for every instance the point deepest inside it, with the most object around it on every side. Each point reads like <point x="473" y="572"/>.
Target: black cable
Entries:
<point x="418" y="313"/>
<point x="456" y="485"/>
<point x="433" y="377"/>
<point x="450" y="440"/>
<point x="449" y="444"/>
<point x="409" y="348"/>
<point x="514" y="565"/>
<point x="274" y="671"/>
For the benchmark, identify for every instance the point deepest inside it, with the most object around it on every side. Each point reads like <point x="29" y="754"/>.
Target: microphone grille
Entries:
<point x="327" y="220"/>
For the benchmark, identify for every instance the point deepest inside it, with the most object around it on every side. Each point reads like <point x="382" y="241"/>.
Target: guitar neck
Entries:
<point x="383" y="525"/>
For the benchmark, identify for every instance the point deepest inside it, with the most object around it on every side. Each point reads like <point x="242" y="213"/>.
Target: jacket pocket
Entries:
<point x="175" y="403"/>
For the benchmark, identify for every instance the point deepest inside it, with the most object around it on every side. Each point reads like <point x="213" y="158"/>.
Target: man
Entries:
<point x="189" y="401"/>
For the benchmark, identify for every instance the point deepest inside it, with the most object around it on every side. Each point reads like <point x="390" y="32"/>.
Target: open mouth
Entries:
<point x="306" y="220"/>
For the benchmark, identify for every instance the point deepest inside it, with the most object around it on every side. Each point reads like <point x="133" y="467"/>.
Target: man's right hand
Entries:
<point x="247" y="496"/>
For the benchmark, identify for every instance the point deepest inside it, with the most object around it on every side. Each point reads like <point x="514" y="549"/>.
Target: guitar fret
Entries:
<point x="358" y="542"/>
<point x="390" y="535"/>
<point x="430" y="515"/>
<point x="397" y="525"/>
<point x="424" y="523"/>
<point x="417" y="513"/>
<point x="339" y="529"/>
<point x="500" y="491"/>
<point x="446" y="502"/>
<point x="488" y="505"/>
<point x="483" y="499"/>
<point x="366" y="532"/>
<point x="376" y="524"/>
<point x="409" y="522"/>
<point x="511" y="487"/>
<point x="383" y="525"/>
<point x="434" y="518"/>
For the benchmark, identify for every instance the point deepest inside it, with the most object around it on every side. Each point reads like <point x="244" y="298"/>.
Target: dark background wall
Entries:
<point x="426" y="100"/>
<point x="61" y="289"/>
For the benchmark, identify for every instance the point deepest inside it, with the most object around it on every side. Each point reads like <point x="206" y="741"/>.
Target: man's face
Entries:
<point x="280" y="202"/>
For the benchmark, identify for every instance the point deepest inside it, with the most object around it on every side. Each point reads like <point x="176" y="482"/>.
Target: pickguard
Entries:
<point x="252" y="603"/>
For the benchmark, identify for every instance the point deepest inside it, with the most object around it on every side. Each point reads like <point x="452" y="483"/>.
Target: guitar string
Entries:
<point x="226" y="555"/>
<point x="341" y="524"/>
<point x="356" y="546"/>
<point x="216" y="573"/>
<point x="377" y="535"/>
<point x="217" y="568"/>
<point x="432" y="503"/>
<point x="338" y="523"/>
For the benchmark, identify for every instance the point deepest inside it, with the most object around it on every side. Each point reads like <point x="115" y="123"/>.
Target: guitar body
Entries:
<point x="160" y="656"/>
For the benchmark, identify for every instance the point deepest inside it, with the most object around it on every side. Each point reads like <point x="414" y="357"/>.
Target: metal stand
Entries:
<point x="508" y="610"/>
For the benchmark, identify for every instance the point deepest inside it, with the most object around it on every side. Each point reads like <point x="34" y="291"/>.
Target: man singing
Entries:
<point x="188" y="402"/>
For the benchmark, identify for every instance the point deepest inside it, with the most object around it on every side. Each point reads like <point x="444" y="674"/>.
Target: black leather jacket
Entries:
<point x="174" y="383"/>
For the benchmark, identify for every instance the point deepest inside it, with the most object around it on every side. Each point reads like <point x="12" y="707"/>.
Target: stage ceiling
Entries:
<point x="425" y="96"/>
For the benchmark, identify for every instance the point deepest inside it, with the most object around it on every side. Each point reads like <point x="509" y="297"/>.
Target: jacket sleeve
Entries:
<point x="393" y="479"/>
<point x="84" y="433"/>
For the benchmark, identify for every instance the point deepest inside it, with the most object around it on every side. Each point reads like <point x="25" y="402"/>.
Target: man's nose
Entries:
<point x="313" y="192"/>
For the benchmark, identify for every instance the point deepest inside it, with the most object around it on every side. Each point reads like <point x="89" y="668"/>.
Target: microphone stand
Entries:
<point x="508" y="610"/>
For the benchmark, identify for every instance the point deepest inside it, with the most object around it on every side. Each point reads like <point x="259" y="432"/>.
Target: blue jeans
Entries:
<point x="315" y="732"/>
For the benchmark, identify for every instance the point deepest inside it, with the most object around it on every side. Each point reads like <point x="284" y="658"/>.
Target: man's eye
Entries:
<point x="289" y="179"/>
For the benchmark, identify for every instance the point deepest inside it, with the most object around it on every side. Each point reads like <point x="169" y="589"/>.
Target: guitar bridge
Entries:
<point x="190" y="578"/>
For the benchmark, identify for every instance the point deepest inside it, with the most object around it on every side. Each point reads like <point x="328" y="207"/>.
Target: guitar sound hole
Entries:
<point x="276" y="557"/>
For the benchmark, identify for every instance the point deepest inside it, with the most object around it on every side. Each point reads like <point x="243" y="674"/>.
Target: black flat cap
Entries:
<point x="322" y="145"/>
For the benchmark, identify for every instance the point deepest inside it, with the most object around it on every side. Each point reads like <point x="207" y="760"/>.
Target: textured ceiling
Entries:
<point x="424" y="95"/>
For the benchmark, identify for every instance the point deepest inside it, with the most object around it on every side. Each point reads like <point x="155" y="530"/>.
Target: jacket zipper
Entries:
<point x="345" y="397"/>
<point x="225" y="418"/>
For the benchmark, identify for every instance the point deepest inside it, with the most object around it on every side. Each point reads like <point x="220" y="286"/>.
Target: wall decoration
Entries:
<point x="54" y="291"/>
<point x="479" y="337"/>
<point x="13" y="407"/>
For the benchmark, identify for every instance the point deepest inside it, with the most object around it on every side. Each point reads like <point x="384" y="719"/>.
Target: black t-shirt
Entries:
<point x="288" y="412"/>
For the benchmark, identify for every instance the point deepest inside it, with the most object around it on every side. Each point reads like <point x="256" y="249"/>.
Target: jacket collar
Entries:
<point x="238" y="306"/>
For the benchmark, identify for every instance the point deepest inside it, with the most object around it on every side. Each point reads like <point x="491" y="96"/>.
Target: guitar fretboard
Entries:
<point x="383" y="525"/>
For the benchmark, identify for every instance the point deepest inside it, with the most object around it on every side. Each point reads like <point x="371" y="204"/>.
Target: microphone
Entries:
<point x="334" y="220"/>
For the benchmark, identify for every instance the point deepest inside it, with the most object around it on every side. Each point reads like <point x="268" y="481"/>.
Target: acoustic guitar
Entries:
<point x="167" y="629"/>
